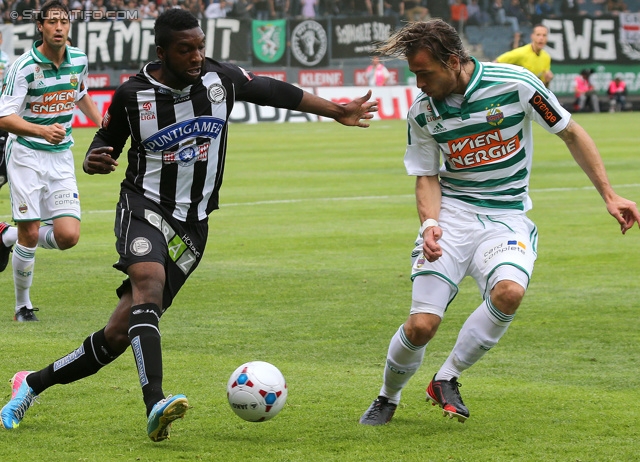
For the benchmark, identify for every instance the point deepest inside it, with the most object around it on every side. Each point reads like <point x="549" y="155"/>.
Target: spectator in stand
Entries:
<point x="514" y="9"/>
<point x="569" y="8"/>
<point x="361" y="8"/>
<point x="308" y="8"/>
<point x="459" y="15"/>
<point x="20" y="8"/>
<point x="544" y="8"/>
<point x="532" y="56"/>
<point x="394" y="9"/>
<point x="261" y="10"/>
<point x="216" y="9"/>
<point x="617" y="94"/>
<point x="500" y="17"/>
<point x="151" y="10"/>
<point x="529" y="8"/>
<point x="477" y="16"/>
<point x="437" y="9"/>
<point x="377" y="74"/>
<point x="415" y="11"/>
<point x="279" y="9"/>
<point x="585" y="92"/>
<point x="615" y="7"/>
<point x="242" y="9"/>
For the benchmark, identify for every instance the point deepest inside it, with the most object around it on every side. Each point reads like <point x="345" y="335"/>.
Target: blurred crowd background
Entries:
<point x="459" y="12"/>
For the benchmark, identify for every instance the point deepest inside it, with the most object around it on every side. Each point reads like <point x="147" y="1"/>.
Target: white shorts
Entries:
<point x="42" y="184"/>
<point x="477" y="245"/>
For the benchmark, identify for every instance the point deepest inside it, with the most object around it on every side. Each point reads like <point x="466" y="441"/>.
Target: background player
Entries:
<point x="36" y="107"/>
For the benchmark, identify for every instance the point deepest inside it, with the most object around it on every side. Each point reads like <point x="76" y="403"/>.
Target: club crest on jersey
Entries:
<point x="216" y="93"/>
<point x="187" y="155"/>
<point x="73" y="79"/>
<point x="494" y="116"/>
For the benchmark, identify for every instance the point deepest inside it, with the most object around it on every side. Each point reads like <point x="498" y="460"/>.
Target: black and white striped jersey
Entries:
<point x="179" y="137"/>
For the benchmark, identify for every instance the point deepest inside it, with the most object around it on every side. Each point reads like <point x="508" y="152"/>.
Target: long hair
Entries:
<point x="172" y="20"/>
<point x="437" y="37"/>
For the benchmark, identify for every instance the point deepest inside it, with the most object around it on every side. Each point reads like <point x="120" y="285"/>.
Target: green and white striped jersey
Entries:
<point x="480" y="143"/>
<point x="42" y="94"/>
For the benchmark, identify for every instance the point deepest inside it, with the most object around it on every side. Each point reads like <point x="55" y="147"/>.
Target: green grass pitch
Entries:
<point x="307" y="267"/>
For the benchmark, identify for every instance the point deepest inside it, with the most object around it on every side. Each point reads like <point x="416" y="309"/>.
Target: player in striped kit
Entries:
<point x="36" y="106"/>
<point x="470" y="147"/>
<point x="175" y="111"/>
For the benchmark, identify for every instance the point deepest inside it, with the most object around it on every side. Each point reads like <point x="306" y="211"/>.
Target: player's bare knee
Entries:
<point x="116" y="335"/>
<point x="66" y="241"/>
<point x="420" y="328"/>
<point x="507" y="296"/>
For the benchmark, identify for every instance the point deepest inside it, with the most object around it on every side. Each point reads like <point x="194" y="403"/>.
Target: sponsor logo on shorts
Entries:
<point x="66" y="198"/>
<point x="140" y="246"/>
<point x="509" y="246"/>
<point x="484" y="148"/>
<point x="181" y="250"/>
<point x="542" y="107"/>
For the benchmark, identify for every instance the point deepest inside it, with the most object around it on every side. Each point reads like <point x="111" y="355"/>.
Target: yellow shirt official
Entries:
<point x="525" y="56"/>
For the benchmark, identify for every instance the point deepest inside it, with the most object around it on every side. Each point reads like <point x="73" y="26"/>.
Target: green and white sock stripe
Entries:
<point x="24" y="252"/>
<point x="407" y="343"/>
<point x="497" y="314"/>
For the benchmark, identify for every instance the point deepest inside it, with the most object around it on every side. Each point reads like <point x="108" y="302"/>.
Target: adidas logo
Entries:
<point x="438" y="128"/>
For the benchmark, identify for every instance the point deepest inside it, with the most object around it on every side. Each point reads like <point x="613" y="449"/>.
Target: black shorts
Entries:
<point x="146" y="233"/>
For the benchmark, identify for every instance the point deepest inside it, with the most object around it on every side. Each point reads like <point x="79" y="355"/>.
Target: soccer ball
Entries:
<point x="257" y="391"/>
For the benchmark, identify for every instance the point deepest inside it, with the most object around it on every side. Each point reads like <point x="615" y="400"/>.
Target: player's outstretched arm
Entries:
<point x="354" y="113"/>
<point x="584" y="151"/>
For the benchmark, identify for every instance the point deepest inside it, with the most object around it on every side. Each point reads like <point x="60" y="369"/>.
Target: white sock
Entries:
<point x="23" y="261"/>
<point x="403" y="360"/>
<point x="480" y="332"/>
<point x="46" y="239"/>
<point x="10" y="236"/>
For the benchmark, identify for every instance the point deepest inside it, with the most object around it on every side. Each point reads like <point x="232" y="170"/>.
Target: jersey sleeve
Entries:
<point x="263" y="91"/>
<point x="14" y="92"/>
<point x="82" y="84"/>
<point x="422" y="156"/>
<point x="542" y="106"/>
<point x="114" y="130"/>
